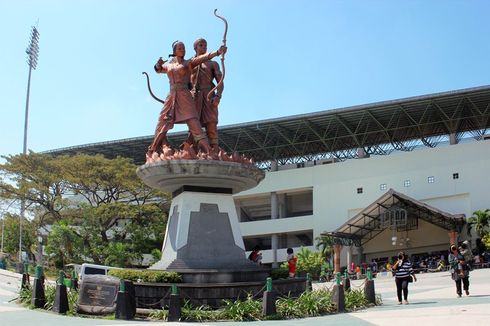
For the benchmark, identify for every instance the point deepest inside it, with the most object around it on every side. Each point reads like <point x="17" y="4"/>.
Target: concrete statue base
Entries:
<point x="203" y="241"/>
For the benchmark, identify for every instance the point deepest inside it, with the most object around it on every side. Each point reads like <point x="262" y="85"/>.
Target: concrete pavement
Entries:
<point x="432" y="300"/>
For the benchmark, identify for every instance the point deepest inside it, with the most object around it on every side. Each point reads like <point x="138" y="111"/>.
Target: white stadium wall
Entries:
<point x="336" y="198"/>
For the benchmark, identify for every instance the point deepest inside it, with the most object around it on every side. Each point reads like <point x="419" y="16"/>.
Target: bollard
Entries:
<point x="369" y="274"/>
<point x="338" y="297"/>
<point x="38" y="298"/>
<point x="74" y="280"/>
<point x="174" y="309"/>
<point x="346" y="283"/>
<point x="60" y="304"/>
<point x="369" y="291"/>
<point x="268" y="299"/>
<point x="26" y="282"/>
<point x="309" y="287"/>
<point x="125" y="305"/>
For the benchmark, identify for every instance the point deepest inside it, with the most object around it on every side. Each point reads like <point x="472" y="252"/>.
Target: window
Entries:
<point x="359" y="190"/>
<point x="382" y="186"/>
<point x="430" y="179"/>
<point x="406" y="183"/>
<point x="455" y="175"/>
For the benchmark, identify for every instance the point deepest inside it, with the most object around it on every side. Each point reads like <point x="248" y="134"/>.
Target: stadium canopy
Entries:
<point x="395" y="211"/>
<point x="370" y="129"/>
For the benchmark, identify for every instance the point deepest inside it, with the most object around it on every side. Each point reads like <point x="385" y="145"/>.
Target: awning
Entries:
<point x="393" y="210"/>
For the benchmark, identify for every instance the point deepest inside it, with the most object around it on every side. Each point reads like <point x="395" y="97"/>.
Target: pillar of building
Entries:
<point x="274" y="165"/>
<point x="349" y="256"/>
<point x="361" y="152"/>
<point x="336" y="258"/>
<point x="281" y="206"/>
<point x="359" y="255"/>
<point x="452" y="139"/>
<point x="274" y="238"/>
<point x="453" y="237"/>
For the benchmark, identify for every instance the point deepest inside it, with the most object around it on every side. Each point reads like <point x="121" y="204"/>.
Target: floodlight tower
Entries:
<point x="32" y="57"/>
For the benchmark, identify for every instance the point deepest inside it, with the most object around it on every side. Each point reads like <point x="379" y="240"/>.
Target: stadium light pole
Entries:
<point x="32" y="57"/>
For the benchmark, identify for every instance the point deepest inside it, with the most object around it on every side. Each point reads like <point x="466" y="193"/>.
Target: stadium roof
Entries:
<point x="377" y="128"/>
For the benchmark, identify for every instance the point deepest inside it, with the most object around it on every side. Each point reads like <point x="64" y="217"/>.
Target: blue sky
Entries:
<point x="284" y="58"/>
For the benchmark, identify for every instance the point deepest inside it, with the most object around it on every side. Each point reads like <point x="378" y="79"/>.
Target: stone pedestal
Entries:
<point x="203" y="241"/>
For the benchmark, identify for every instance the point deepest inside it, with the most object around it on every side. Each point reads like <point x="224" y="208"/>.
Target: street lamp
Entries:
<point x="32" y="57"/>
<point x="40" y="249"/>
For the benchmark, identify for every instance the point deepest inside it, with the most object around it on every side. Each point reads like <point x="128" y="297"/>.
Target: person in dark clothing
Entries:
<point x="255" y="255"/>
<point x="403" y="275"/>
<point x="456" y="258"/>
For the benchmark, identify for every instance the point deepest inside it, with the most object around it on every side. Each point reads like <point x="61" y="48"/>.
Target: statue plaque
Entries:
<point x="98" y="294"/>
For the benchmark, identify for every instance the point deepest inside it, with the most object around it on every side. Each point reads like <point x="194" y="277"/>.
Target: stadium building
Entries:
<point x="379" y="178"/>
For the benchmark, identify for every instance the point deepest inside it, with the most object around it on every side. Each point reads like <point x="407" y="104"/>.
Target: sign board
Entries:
<point x="98" y="295"/>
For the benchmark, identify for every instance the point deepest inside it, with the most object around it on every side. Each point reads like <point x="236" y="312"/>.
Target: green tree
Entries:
<point x="480" y="220"/>
<point x="102" y="200"/>
<point x="37" y="180"/>
<point x="486" y="241"/>
<point x="325" y="244"/>
<point x="63" y="244"/>
<point x="11" y="235"/>
<point x="308" y="262"/>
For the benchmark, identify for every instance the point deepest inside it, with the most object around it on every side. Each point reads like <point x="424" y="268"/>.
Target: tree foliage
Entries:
<point x="480" y="220"/>
<point x="98" y="205"/>
<point x="11" y="234"/>
<point x="325" y="243"/>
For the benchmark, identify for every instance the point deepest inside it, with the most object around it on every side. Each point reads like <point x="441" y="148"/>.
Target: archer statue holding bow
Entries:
<point x="193" y="98"/>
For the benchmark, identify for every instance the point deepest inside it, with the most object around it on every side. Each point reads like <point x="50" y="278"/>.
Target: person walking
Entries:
<point x="404" y="274"/>
<point x="458" y="273"/>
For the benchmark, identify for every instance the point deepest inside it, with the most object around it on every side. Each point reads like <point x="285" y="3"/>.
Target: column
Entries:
<point x="349" y="256"/>
<point x="336" y="258"/>
<point x="452" y="139"/>
<point x="359" y="255"/>
<point x="274" y="240"/>
<point x="361" y="153"/>
<point x="453" y="237"/>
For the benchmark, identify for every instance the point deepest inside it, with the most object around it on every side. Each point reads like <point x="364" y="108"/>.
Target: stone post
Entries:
<point x="38" y="297"/>
<point x="174" y="309"/>
<point x="269" y="299"/>
<point x="60" y="304"/>
<point x="338" y="296"/>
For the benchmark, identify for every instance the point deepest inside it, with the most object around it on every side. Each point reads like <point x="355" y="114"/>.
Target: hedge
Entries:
<point x="146" y="275"/>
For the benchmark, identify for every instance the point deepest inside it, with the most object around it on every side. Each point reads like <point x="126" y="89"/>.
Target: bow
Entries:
<point x="222" y="56"/>
<point x="149" y="88"/>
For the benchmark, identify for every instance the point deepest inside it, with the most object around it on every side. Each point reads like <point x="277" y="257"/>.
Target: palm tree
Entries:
<point x="325" y="244"/>
<point x="480" y="220"/>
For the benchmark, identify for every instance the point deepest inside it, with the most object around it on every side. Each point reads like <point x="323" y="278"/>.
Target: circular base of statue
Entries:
<point x="254" y="274"/>
<point x="171" y="175"/>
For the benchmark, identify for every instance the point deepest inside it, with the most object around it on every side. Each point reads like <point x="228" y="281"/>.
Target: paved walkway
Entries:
<point x="432" y="299"/>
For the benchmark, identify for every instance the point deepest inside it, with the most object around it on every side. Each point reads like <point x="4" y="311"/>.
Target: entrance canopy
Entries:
<point x="393" y="210"/>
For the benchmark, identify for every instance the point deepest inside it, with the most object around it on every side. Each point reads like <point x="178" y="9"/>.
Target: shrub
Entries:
<point x="158" y="314"/>
<point x="199" y="314"/>
<point x="146" y="275"/>
<point x="246" y="310"/>
<point x="49" y="293"/>
<point x="25" y="295"/>
<point x="308" y="304"/>
<point x="355" y="300"/>
<point x="281" y="272"/>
